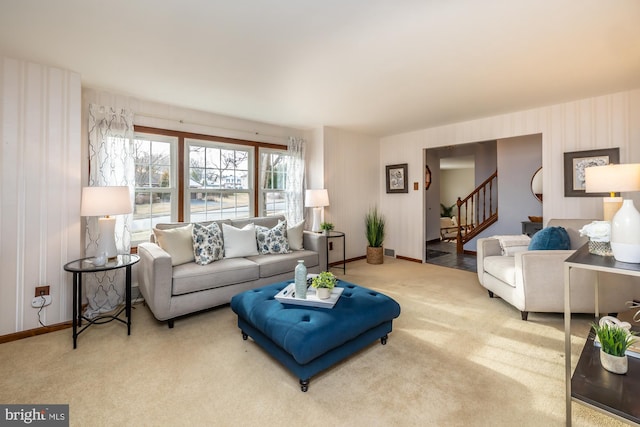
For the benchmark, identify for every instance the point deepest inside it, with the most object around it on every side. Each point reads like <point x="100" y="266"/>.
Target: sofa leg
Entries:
<point x="490" y="294"/>
<point x="170" y="323"/>
<point x="524" y="315"/>
<point x="304" y="385"/>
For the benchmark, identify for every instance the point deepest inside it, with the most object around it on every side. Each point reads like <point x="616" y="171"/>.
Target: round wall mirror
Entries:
<point x="536" y="184"/>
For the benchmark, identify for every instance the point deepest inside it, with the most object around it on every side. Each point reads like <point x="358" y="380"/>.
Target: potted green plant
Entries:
<point x="324" y="283"/>
<point x="446" y="211"/>
<point x="615" y="340"/>
<point x="374" y="226"/>
<point x="326" y="227"/>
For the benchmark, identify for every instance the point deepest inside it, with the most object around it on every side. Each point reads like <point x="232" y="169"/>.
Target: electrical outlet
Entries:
<point x="42" y="290"/>
<point x="41" y="301"/>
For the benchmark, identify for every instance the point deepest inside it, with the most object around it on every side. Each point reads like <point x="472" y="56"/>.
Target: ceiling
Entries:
<point x="377" y="67"/>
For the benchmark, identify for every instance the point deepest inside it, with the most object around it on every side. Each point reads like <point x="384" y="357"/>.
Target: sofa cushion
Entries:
<point x="239" y="242"/>
<point x="550" y="238"/>
<point x="502" y="268"/>
<point x="208" y="245"/>
<point x="177" y="242"/>
<point x="295" y="236"/>
<point x="192" y="277"/>
<point x="271" y="265"/>
<point x="272" y="240"/>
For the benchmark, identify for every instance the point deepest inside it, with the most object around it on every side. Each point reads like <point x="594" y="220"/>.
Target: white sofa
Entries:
<point x="174" y="291"/>
<point x="533" y="281"/>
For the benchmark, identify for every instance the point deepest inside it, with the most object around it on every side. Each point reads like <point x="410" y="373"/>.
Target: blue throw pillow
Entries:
<point x="550" y="238"/>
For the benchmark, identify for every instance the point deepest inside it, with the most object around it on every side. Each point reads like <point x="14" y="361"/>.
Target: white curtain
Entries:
<point x="111" y="163"/>
<point x="295" y="180"/>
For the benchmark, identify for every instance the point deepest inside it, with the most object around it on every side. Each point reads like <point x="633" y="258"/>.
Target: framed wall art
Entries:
<point x="575" y="163"/>
<point x="397" y="178"/>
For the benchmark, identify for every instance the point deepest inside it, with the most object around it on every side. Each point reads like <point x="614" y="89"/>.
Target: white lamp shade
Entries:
<point x="612" y="178"/>
<point x="316" y="198"/>
<point x="99" y="201"/>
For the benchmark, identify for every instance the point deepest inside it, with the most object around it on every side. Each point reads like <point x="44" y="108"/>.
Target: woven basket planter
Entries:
<point x="375" y="255"/>
<point x="600" y="248"/>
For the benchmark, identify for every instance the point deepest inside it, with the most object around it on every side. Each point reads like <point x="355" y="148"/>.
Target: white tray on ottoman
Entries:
<point x="287" y="296"/>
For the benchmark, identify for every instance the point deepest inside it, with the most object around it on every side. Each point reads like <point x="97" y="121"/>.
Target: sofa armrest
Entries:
<point x="486" y="247"/>
<point x="318" y="243"/>
<point x="541" y="276"/>
<point x="155" y="277"/>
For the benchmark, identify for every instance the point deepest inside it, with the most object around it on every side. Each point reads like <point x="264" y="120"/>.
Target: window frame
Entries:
<point x="182" y="170"/>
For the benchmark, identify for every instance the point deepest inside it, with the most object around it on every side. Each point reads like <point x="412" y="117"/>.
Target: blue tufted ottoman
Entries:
<point x="308" y="340"/>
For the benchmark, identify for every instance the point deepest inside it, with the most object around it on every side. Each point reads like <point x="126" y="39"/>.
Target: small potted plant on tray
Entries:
<point x="324" y="283"/>
<point x="615" y="340"/>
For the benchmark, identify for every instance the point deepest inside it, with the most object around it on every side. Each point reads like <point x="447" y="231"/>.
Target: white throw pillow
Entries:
<point x="295" y="236"/>
<point x="510" y="244"/>
<point x="239" y="242"/>
<point x="177" y="242"/>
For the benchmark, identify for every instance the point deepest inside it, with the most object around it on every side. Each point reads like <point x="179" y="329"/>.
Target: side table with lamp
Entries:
<point x="590" y="384"/>
<point x="103" y="201"/>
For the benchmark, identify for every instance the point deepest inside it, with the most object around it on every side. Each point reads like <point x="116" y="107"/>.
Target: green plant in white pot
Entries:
<point x="615" y="340"/>
<point x="324" y="283"/>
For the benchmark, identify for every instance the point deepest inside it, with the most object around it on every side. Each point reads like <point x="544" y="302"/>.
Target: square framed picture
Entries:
<point x="575" y="163"/>
<point x="397" y="178"/>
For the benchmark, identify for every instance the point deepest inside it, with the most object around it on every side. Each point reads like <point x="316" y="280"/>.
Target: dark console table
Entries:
<point x="591" y="385"/>
<point x="86" y="265"/>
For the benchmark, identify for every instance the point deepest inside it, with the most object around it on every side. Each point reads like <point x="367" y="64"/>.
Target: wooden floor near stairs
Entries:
<point x="444" y="254"/>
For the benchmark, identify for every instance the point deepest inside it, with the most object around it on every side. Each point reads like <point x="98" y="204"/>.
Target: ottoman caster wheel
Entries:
<point x="304" y="385"/>
<point x="383" y="340"/>
<point x="244" y="336"/>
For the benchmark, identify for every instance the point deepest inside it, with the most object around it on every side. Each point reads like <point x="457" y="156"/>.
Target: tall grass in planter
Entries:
<point x="374" y="224"/>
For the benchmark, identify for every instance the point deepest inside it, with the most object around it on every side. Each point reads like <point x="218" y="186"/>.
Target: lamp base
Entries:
<point x="611" y="205"/>
<point x="317" y="219"/>
<point x="107" y="241"/>
<point x="625" y="233"/>
<point x="626" y="252"/>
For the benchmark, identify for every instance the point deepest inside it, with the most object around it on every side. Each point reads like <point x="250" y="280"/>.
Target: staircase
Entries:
<point x="477" y="211"/>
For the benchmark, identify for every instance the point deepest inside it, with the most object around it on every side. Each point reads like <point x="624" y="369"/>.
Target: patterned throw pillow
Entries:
<point x="207" y="243"/>
<point x="273" y="241"/>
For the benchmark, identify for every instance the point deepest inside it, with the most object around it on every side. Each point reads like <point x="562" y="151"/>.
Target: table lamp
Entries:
<point x="316" y="199"/>
<point x="99" y="201"/>
<point x="625" y="221"/>
<point x="605" y="179"/>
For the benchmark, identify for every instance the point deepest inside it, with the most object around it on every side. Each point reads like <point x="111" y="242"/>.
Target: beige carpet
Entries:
<point x="455" y="358"/>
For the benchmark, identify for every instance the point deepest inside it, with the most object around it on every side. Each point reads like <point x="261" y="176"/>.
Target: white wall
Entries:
<point x="351" y="178"/>
<point x="40" y="190"/>
<point x="456" y="183"/>
<point x="518" y="159"/>
<point x="602" y="122"/>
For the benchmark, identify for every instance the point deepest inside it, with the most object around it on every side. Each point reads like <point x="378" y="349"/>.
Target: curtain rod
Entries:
<point x="276" y="137"/>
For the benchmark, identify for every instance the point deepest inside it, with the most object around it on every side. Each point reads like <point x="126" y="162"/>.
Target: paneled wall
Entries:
<point x="601" y="122"/>
<point x="39" y="190"/>
<point x="351" y="178"/>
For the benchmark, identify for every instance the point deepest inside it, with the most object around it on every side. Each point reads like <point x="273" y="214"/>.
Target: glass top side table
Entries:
<point x="337" y="235"/>
<point x="86" y="265"/>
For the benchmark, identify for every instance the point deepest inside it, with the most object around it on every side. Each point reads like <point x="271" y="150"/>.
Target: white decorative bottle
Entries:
<point x="301" y="280"/>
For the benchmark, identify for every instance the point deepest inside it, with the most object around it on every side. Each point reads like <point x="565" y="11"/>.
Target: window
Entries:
<point x="220" y="181"/>
<point x="185" y="177"/>
<point x="273" y="178"/>
<point x="155" y="184"/>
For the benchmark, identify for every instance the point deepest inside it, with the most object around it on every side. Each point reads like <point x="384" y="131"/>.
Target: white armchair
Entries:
<point x="533" y="281"/>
